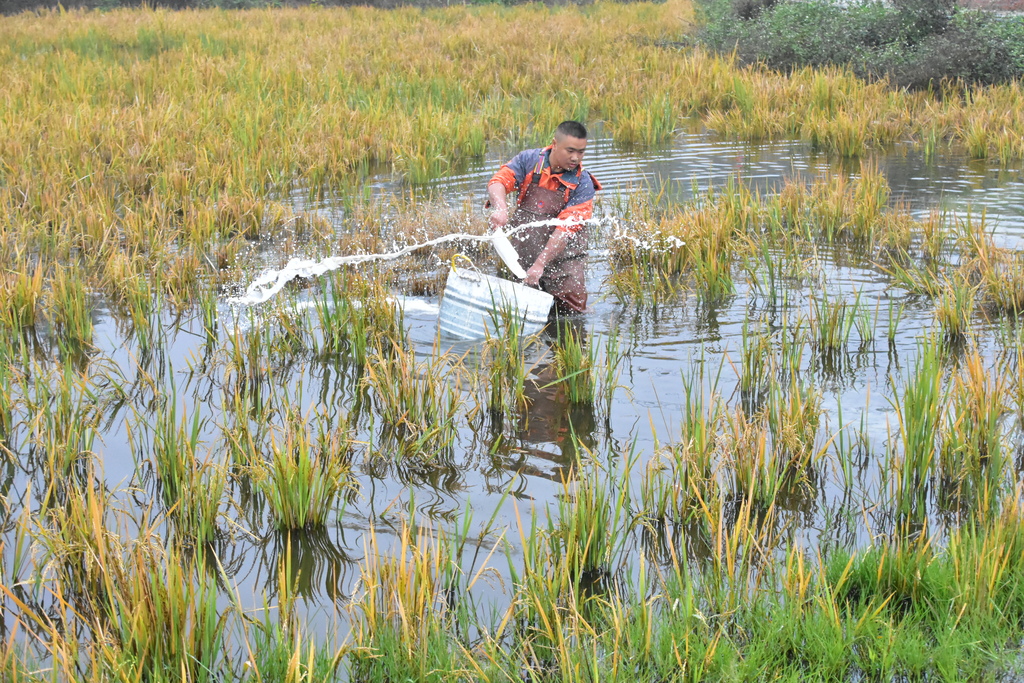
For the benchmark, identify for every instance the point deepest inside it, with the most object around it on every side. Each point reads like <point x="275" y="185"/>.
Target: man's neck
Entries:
<point x="554" y="170"/>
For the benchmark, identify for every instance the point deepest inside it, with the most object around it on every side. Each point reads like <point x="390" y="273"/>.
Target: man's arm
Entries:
<point x="498" y="195"/>
<point x="580" y="209"/>
<point x="506" y="180"/>
<point x="552" y="250"/>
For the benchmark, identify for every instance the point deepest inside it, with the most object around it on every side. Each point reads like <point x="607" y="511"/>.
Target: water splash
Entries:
<point x="271" y="282"/>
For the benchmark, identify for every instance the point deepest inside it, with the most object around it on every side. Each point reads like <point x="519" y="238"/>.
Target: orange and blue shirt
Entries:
<point x="579" y="185"/>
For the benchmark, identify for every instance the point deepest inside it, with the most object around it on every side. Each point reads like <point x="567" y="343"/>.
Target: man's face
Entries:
<point x="567" y="153"/>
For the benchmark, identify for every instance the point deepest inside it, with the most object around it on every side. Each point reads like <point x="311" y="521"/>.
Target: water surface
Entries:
<point x="685" y="337"/>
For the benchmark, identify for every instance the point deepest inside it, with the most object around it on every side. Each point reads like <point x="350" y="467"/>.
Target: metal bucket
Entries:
<point x="476" y="305"/>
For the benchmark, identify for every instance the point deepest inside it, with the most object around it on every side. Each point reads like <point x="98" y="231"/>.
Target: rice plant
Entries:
<point x="794" y="415"/>
<point x="402" y="607"/>
<point x="504" y="356"/>
<point x="894" y="315"/>
<point x="148" y="612"/>
<point x="831" y="322"/>
<point x="611" y="369"/>
<point x="416" y="402"/>
<point x="64" y="422"/>
<point x="576" y="363"/>
<point x="972" y="437"/>
<point x="308" y="474"/>
<point x="919" y="410"/>
<point x="586" y="533"/>
<point x="954" y="310"/>
<point x="70" y="308"/>
<point x="23" y="293"/>
<point x="756" y="474"/>
<point x="355" y="317"/>
<point x="756" y="368"/>
<point x="284" y="653"/>
<point x="175" y="448"/>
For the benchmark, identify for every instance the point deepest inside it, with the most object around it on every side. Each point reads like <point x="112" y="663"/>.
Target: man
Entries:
<point x="551" y="184"/>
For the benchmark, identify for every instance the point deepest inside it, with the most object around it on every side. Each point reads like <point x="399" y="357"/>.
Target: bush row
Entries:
<point x="915" y="43"/>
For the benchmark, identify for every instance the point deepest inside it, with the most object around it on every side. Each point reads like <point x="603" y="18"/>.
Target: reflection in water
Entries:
<point x="547" y="438"/>
<point x="309" y="562"/>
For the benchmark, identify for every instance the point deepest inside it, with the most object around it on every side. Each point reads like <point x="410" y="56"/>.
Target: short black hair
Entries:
<point x="572" y="129"/>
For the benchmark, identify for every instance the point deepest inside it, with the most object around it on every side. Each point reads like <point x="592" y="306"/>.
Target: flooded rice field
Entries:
<point x="824" y="390"/>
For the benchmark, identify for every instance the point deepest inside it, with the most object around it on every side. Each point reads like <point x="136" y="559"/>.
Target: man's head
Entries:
<point x="568" y="146"/>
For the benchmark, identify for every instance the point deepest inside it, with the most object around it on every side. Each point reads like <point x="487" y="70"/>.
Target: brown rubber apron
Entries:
<point x="564" y="277"/>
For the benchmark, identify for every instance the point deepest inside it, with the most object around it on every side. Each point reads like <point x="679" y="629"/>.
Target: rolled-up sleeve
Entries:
<point x="506" y="178"/>
<point x="511" y="175"/>
<point x="581" y="204"/>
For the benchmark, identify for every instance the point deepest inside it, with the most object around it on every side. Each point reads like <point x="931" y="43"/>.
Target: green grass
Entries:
<point x="308" y="474"/>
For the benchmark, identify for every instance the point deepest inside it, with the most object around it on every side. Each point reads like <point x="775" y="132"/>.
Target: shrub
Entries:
<point x="915" y="43"/>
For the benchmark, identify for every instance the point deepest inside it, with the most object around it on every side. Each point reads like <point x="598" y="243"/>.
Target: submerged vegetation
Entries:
<point x="322" y="488"/>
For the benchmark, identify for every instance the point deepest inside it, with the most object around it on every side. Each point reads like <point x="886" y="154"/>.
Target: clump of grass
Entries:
<point x="576" y="364"/>
<point x="192" y="491"/>
<point x="831" y="322"/>
<point x="919" y="410"/>
<point x="954" y="309"/>
<point x="70" y="309"/>
<point x="865" y="325"/>
<point x="307" y="475"/>
<point x="245" y="432"/>
<point x="680" y="479"/>
<point x="130" y="291"/>
<point x="893" y="316"/>
<point x="143" y="611"/>
<point x="935" y="236"/>
<point x="7" y="402"/>
<point x="610" y="370"/>
<point x="972" y="441"/>
<point x="505" y="360"/>
<point x="64" y="421"/>
<point x="22" y="293"/>
<point x="283" y="653"/>
<point x="701" y="420"/>
<point x="794" y="415"/>
<point x="1002" y="282"/>
<point x="355" y="316"/>
<point x="589" y="527"/>
<point x="175" y="446"/>
<point x="210" y="317"/>
<point x="417" y="402"/>
<point x="756" y="475"/>
<point x="755" y="368"/>
<point x="195" y="515"/>
<point x="164" y="618"/>
<point x="402" y="607"/>
<point x="566" y="558"/>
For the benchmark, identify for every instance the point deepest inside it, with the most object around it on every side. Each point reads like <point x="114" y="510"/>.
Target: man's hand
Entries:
<point x="499" y="219"/>
<point x="497" y="195"/>
<point x="534" y="274"/>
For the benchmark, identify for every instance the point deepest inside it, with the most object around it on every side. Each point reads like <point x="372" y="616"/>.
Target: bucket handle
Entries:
<point x="472" y="266"/>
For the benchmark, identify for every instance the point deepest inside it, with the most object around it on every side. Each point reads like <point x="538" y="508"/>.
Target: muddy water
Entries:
<point x="661" y="345"/>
